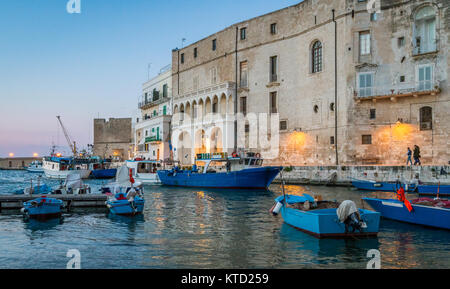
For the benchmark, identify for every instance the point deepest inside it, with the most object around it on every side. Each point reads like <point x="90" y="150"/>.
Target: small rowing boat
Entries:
<point x="125" y="196"/>
<point x="42" y="208"/>
<point x="326" y="219"/>
<point x="380" y="186"/>
<point x="434" y="190"/>
<point x="430" y="214"/>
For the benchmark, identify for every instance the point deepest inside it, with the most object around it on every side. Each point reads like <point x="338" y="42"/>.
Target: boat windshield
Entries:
<point x="148" y="168"/>
<point x="253" y="162"/>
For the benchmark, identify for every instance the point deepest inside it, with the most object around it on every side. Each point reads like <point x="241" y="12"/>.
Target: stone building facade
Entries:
<point x="337" y="82"/>
<point x="112" y="138"/>
<point x="152" y="128"/>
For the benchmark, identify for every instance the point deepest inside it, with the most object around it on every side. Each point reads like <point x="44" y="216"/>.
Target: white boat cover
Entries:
<point x="123" y="177"/>
<point x="346" y="209"/>
<point x="73" y="181"/>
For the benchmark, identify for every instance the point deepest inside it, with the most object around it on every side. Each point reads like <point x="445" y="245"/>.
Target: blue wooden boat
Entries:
<point x="120" y="205"/>
<point x="421" y="215"/>
<point x="125" y="196"/>
<point x="325" y="223"/>
<point x="381" y="186"/>
<point x="43" y="208"/>
<point x="432" y="190"/>
<point x="103" y="173"/>
<point x="237" y="173"/>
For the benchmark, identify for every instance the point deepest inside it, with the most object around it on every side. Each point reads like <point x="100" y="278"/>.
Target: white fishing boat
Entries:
<point x="145" y="171"/>
<point x="59" y="168"/>
<point x="35" y="167"/>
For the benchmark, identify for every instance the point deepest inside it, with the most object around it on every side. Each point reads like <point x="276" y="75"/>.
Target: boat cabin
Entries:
<point x="221" y="162"/>
<point x="144" y="166"/>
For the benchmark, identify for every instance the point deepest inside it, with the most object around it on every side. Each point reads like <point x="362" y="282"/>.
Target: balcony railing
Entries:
<point x="152" y="139"/>
<point x="410" y="89"/>
<point x="422" y="48"/>
<point x="154" y="101"/>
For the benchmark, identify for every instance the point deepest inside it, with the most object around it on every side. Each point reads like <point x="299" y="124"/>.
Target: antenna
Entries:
<point x="148" y="70"/>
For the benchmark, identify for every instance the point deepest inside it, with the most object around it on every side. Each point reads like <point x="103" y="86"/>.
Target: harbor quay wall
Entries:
<point x="16" y="163"/>
<point x="343" y="175"/>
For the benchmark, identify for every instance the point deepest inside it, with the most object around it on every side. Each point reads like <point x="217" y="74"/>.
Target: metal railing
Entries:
<point x="399" y="89"/>
<point x="154" y="101"/>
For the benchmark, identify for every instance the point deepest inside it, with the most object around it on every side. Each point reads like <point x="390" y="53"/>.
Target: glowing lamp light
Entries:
<point x="11" y="155"/>
<point x="58" y="155"/>
<point x="297" y="139"/>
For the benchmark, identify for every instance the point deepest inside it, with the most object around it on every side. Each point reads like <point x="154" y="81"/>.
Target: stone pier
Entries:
<point x="343" y="175"/>
<point x="17" y="163"/>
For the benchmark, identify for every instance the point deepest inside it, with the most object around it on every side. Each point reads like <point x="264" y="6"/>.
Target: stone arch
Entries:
<point x="230" y="104"/>
<point x="215" y="104"/>
<point x="182" y="112"/>
<point x="188" y="111"/>
<point x="194" y="110"/>
<point x="201" y="108"/>
<point x="216" y="144"/>
<point x="184" y="148"/>
<point x="223" y="104"/>
<point x="208" y="105"/>
<point x="176" y="117"/>
<point x="200" y="142"/>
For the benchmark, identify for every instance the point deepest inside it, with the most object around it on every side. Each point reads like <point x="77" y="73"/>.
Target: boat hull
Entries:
<point x="35" y="170"/>
<point x="444" y="190"/>
<point x="421" y="215"/>
<point x="104" y="174"/>
<point x="125" y="208"/>
<point x="378" y="186"/>
<point x="253" y="178"/>
<point x="148" y="179"/>
<point x="325" y="223"/>
<point x="62" y="175"/>
<point x="46" y="208"/>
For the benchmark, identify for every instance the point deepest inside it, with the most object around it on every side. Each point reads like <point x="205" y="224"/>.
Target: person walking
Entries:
<point x="416" y="156"/>
<point x="409" y="154"/>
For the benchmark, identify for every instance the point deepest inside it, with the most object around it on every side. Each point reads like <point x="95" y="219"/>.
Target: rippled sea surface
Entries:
<point x="191" y="228"/>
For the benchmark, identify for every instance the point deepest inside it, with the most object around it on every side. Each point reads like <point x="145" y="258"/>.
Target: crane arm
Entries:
<point x="66" y="134"/>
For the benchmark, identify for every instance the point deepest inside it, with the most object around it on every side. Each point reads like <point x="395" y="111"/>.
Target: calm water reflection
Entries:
<point x="190" y="228"/>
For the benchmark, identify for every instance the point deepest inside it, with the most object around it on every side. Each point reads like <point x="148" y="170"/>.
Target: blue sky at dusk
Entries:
<point x="82" y="66"/>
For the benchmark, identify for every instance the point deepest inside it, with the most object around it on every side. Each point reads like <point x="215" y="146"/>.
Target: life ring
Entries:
<point x="234" y="155"/>
<point x="258" y="156"/>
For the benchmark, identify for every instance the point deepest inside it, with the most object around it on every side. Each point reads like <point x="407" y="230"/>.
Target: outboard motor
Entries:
<point x="349" y="215"/>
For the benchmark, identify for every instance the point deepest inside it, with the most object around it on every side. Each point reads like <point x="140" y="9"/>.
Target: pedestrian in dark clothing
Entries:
<point x="417" y="156"/>
<point x="409" y="154"/>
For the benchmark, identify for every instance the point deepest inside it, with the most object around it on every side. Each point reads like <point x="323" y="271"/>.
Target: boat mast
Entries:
<point x="72" y="145"/>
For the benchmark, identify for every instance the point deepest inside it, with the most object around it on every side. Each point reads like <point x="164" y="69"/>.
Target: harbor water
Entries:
<point x="193" y="228"/>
